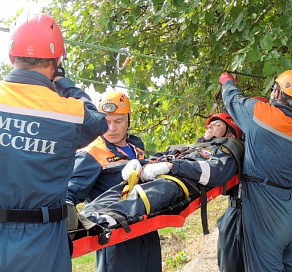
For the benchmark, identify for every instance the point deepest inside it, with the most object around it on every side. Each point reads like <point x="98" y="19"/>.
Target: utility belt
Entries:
<point x="265" y="181"/>
<point x="43" y="215"/>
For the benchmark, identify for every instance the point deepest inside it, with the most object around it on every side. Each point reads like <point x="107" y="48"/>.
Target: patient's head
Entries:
<point x="222" y="125"/>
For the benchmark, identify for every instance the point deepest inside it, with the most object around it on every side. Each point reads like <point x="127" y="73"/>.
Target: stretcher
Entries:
<point x="148" y="223"/>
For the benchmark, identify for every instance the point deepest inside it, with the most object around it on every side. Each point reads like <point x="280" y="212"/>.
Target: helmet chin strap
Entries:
<point x="285" y="99"/>
<point x="225" y="131"/>
<point x="273" y="98"/>
<point x="54" y="61"/>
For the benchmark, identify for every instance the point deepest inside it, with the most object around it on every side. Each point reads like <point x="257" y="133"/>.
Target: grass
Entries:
<point x="178" y="245"/>
<point x="85" y="263"/>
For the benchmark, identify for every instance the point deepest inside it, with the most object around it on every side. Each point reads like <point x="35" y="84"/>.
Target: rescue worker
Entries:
<point x="210" y="166"/>
<point x="98" y="168"/>
<point x="267" y="176"/>
<point x="230" y="245"/>
<point x="42" y="125"/>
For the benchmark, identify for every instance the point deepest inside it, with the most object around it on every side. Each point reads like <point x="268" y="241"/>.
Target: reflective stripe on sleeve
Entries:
<point x="42" y="113"/>
<point x="271" y="129"/>
<point x="205" y="176"/>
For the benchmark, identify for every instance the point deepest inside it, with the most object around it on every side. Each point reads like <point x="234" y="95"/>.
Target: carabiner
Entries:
<point x="127" y="60"/>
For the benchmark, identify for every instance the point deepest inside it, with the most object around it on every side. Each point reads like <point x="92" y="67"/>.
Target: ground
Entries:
<point x="201" y="249"/>
<point x="203" y="252"/>
<point x="206" y="261"/>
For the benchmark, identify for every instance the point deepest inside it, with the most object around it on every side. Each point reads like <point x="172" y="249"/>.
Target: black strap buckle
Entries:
<point x="235" y="203"/>
<point x="3" y="215"/>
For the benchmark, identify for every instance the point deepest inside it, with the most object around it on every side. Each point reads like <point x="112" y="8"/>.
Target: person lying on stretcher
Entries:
<point x="169" y="177"/>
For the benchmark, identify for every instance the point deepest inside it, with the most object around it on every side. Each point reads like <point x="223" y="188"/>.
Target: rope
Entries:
<point x="104" y="48"/>
<point x="137" y="89"/>
<point x="244" y="74"/>
<point x="122" y="50"/>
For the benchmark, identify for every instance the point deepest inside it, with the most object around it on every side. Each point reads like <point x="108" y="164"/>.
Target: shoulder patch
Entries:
<point x="115" y="158"/>
<point x="206" y="153"/>
<point x="225" y="150"/>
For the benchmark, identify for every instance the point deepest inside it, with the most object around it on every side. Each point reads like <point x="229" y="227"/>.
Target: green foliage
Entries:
<point x="4" y="70"/>
<point x="178" y="260"/>
<point x="179" y="49"/>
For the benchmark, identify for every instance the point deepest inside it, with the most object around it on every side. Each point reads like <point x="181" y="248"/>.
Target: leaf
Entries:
<point x="220" y="34"/>
<point x="285" y="63"/>
<point x="156" y="19"/>
<point x="194" y="110"/>
<point x="80" y="66"/>
<point x="270" y="80"/>
<point x="125" y="2"/>
<point x="178" y="3"/>
<point x="284" y="20"/>
<point x="209" y="16"/>
<point x="237" y="22"/>
<point x="238" y="61"/>
<point x="269" y="68"/>
<point x="191" y="80"/>
<point x="254" y="54"/>
<point x="266" y="42"/>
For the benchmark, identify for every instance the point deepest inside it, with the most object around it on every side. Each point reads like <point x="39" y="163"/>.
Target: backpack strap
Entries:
<point x="236" y="148"/>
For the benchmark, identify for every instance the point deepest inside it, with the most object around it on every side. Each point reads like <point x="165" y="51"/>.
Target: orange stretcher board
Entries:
<point x="88" y="244"/>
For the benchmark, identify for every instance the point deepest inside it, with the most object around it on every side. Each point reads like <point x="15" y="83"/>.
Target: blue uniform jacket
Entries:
<point x="40" y="131"/>
<point x="210" y="166"/>
<point x="98" y="168"/>
<point x="268" y="134"/>
<point x="266" y="209"/>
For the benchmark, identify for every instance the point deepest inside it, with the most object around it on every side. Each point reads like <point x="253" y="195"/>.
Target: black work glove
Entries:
<point x="60" y="71"/>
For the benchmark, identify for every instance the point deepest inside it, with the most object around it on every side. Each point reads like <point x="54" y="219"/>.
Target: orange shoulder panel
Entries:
<point x="273" y="117"/>
<point x="98" y="150"/>
<point x="39" y="98"/>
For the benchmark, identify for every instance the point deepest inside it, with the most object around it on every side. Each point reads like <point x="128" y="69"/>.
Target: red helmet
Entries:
<point x="227" y="119"/>
<point x="36" y="36"/>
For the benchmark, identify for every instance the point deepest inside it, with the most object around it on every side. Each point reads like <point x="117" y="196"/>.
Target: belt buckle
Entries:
<point x="3" y="216"/>
<point x="64" y="212"/>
